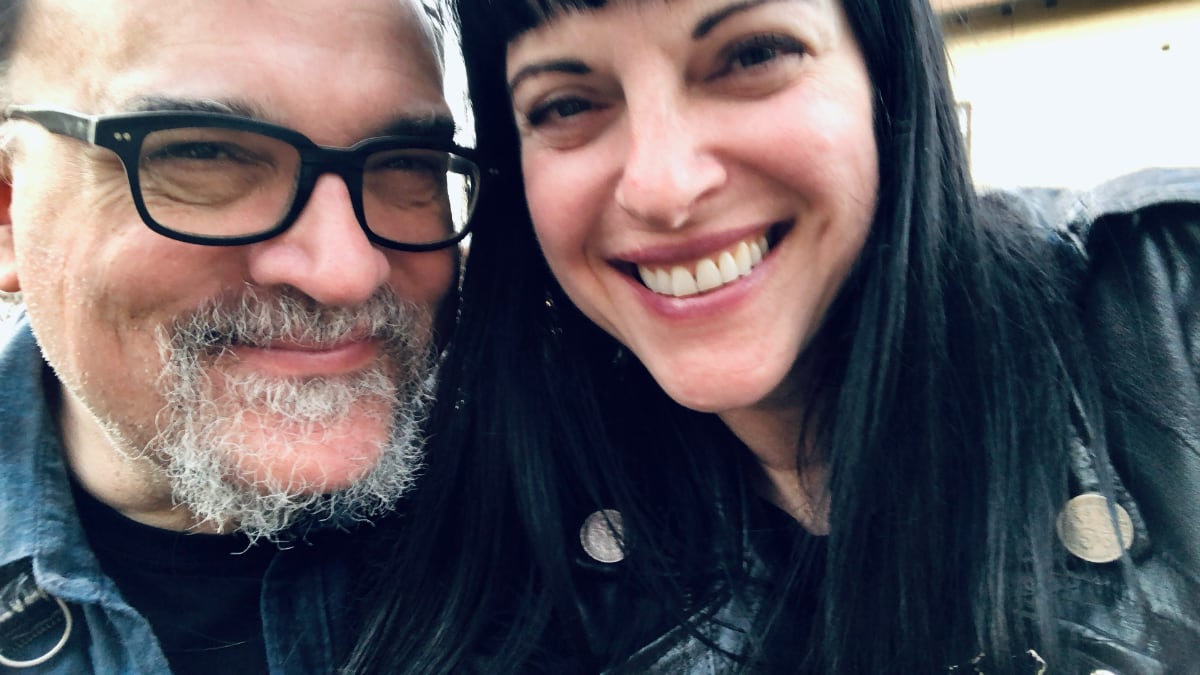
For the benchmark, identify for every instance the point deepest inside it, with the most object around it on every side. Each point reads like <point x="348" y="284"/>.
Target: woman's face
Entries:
<point x="701" y="175"/>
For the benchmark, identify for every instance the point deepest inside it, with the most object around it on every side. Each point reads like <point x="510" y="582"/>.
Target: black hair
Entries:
<point x="944" y="388"/>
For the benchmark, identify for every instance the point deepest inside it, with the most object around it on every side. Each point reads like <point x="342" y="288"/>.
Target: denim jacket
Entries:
<point x="47" y="568"/>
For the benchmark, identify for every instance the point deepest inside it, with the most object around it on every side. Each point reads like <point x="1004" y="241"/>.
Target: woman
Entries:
<point x="756" y="310"/>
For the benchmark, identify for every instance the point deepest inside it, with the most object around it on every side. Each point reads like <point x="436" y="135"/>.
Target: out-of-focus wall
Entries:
<point x="1076" y="92"/>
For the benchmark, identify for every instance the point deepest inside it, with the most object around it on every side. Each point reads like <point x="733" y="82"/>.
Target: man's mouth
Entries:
<point x="711" y="272"/>
<point x="302" y="343"/>
<point x="282" y="333"/>
<point x="308" y="359"/>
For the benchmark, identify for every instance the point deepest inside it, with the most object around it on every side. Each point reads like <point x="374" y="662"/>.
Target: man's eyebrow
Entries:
<point x="429" y="125"/>
<point x="169" y="104"/>
<point x="569" y="66"/>
<point x="710" y="21"/>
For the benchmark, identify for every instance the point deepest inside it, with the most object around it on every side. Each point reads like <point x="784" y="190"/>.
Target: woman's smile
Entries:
<point x="708" y="273"/>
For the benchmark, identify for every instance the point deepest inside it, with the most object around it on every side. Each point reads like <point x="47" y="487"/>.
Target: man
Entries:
<point x="238" y="321"/>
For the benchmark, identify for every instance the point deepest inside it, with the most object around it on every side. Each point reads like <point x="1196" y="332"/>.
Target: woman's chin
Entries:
<point x="714" y="396"/>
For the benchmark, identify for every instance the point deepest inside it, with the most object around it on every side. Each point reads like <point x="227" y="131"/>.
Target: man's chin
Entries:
<point x="279" y="481"/>
<point x="312" y="461"/>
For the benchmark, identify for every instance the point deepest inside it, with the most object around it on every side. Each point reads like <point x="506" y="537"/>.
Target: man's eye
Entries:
<point x="199" y="151"/>
<point x="558" y="109"/>
<point x="409" y="163"/>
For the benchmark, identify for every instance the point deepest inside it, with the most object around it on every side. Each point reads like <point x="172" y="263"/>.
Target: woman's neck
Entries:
<point x="773" y="434"/>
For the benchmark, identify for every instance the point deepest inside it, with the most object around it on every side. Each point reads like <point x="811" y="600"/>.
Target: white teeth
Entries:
<point x="663" y="278"/>
<point x="682" y="282"/>
<point x="708" y="275"/>
<point x="742" y="255"/>
<point x="728" y="267"/>
<point x="649" y="278"/>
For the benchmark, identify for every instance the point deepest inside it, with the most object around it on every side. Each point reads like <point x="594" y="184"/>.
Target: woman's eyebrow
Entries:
<point x="569" y="66"/>
<point x="710" y="21"/>
<point x="574" y="67"/>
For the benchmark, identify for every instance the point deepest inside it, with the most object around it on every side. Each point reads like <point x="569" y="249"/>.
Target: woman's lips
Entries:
<point x="712" y="271"/>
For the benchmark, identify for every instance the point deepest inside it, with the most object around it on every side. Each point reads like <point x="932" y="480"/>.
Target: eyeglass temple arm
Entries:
<point x="57" y="121"/>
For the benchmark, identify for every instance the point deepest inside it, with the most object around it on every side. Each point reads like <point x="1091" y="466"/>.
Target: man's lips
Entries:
<point x="294" y="359"/>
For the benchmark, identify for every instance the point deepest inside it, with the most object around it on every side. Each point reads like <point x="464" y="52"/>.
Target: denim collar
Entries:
<point x="37" y="512"/>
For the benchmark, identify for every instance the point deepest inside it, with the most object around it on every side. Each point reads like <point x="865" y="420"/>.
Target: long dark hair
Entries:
<point x="945" y="380"/>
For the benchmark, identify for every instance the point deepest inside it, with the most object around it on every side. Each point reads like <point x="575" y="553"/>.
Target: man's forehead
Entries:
<point x="332" y="70"/>
<point x="137" y="20"/>
<point x="97" y="13"/>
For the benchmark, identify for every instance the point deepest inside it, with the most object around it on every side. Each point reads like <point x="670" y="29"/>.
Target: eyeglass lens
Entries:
<point x="214" y="182"/>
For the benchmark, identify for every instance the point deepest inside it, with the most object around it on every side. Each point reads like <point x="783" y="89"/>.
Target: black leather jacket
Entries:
<point x="1138" y="239"/>
<point x="1141" y="304"/>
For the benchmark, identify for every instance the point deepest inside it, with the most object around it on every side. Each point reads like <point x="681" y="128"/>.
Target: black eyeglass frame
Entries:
<point x="124" y="133"/>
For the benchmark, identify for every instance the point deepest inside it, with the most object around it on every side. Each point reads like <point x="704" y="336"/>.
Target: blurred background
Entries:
<point x="1069" y="93"/>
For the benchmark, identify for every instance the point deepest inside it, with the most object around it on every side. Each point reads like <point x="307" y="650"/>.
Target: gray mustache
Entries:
<point x="258" y="318"/>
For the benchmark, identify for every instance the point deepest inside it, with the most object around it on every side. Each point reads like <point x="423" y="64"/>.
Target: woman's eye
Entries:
<point x="759" y="51"/>
<point x="754" y="55"/>
<point x="557" y="109"/>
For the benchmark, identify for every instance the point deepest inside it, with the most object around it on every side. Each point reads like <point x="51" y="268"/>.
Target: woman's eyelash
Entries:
<point x="760" y="49"/>
<point x="561" y="107"/>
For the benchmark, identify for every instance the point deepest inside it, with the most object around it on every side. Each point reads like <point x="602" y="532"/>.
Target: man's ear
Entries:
<point x="8" y="254"/>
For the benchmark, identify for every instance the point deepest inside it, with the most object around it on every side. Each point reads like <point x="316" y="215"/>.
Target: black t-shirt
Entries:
<point x="200" y="592"/>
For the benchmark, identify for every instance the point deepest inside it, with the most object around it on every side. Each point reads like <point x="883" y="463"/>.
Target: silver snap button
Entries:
<point x="1102" y="671"/>
<point x="1086" y="529"/>
<point x="26" y="613"/>
<point x="603" y="536"/>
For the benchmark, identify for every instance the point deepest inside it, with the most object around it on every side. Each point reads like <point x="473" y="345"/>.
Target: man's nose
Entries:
<point x="325" y="253"/>
<point x="669" y="164"/>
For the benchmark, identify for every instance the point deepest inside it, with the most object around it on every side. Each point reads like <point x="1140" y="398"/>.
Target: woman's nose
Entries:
<point x="670" y="165"/>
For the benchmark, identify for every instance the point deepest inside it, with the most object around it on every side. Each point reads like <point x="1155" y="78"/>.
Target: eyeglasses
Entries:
<point x="225" y="180"/>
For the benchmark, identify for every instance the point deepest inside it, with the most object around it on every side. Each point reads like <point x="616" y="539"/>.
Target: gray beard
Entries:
<point x="202" y="444"/>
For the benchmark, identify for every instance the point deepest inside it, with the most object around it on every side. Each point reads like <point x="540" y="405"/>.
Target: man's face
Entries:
<point x="247" y="374"/>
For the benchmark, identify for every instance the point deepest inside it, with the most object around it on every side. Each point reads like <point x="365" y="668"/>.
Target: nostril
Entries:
<point x="666" y="194"/>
